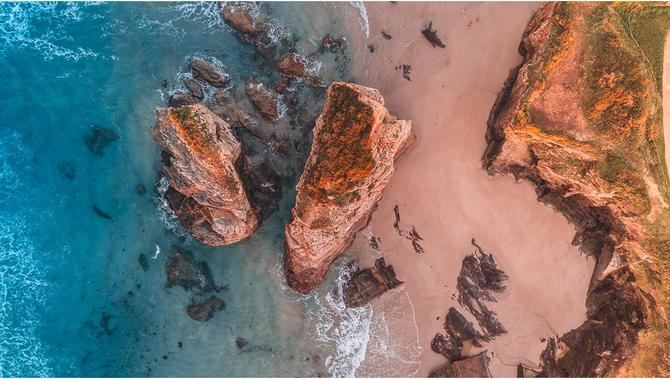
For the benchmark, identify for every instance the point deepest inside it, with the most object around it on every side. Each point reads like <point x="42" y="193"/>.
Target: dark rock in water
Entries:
<point x="140" y="189"/>
<point x="99" y="138"/>
<point x="431" y="36"/>
<point x="67" y="169"/>
<point x="264" y="100"/>
<point x="241" y="343"/>
<point x="386" y="35"/>
<point x="194" y="88"/>
<point x="406" y="71"/>
<point x="334" y="45"/>
<point x="180" y="99"/>
<point x="479" y="276"/>
<point x="182" y="271"/>
<point x="241" y="16"/>
<point x="369" y="283"/>
<point x="283" y="84"/>
<point x="263" y="185"/>
<point x="473" y="367"/>
<point x="207" y="72"/>
<point x="205" y="311"/>
<point x="101" y="213"/>
<point x="144" y="262"/>
<point x="293" y="64"/>
<point x="106" y="323"/>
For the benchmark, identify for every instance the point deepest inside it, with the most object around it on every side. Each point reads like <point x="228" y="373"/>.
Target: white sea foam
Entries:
<point x="165" y="214"/>
<point x="17" y="29"/>
<point x="363" y="12"/>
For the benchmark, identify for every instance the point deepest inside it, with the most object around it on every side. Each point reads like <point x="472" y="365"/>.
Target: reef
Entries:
<point x="579" y="119"/>
<point x="200" y="153"/>
<point x="356" y="142"/>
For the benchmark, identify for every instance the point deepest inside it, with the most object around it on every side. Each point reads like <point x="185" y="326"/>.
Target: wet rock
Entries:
<point x="183" y="271"/>
<point x="406" y="71"/>
<point x="67" y="169"/>
<point x="99" y="138"/>
<point x="293" y="64"/>
<point x="431" y="36"/>
<point x="205" y="310"/>
<point x="204" y="187"/>
<point x="263" y="184"/>
<point x="356" y="142"/>
<point x="334" y="45"/>
<point x="472" y="367"/>
<point x="241" y="343"/>
<point x="194" y="88"/>
<point x="100" y="213"/>
<point x="283" y="84"/>
<point x="207" y="72"/>
<point x="264" y="100"/>
<point x="386" y="35"/>
<point x="241" y="16"/>
<point x="369" y="283"/>
<point x="181" y="99"/>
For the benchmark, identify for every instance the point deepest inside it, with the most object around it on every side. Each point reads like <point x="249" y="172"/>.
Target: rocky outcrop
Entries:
<point x="207" y="72"/>
<point x="473" y="367"/>
<point x="242" y="16"/>
<point x="204" y="187"/>
<point x="356" y="142"/>
<point x="369" y="283"/>
<point x="457" y="330"/>
<point x="183" y="271"/>
<point x="575" y="119"/>
<point x="264" y="99"/>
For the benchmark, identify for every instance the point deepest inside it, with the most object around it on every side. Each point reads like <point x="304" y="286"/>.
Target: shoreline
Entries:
<point x="445" y="160"/>
<point x="666" y="100"/>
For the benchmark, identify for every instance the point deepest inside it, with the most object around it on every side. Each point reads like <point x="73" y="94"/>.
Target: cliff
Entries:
<point x="579" y="118"/>
<point x="356" y="142"/>
<point x="200" y="152"/>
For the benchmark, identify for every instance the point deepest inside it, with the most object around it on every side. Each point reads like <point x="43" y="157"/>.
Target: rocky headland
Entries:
<point x="579" y="119"/>
<point x="356" y="142"/>
<point x="200" y="152"/>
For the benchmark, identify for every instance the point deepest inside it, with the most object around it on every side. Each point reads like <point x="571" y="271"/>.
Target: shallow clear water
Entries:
<point x="75" y="300"/>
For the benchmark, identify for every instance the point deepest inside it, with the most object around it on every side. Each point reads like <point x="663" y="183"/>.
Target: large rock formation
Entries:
<point x="369" y="283"/>
<point x="579" y="118"/>
<point x="356" y="142"/>
<point x="205" y="190"/>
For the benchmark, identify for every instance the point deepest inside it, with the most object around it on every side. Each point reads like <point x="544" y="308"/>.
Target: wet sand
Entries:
<point x="441" y="190"/>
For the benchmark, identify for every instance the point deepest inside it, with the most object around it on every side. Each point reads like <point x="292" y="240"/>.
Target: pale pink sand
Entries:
<point x="443" y="192"/>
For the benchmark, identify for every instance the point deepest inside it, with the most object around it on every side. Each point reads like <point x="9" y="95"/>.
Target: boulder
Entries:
<point x="369" y="283"/>
<point x="204" y="188"/>
<point x="293" y="64"/>
<point x="207" y="72"/>
<point x="194" y="88"/>
<point x="180" y="99"/>
<point x="205" y="310"/>
<point x="473" y="367"/>
<point x="356" y="142"/>
<point x="264" y="99"/>
<point x="241" y="16"/>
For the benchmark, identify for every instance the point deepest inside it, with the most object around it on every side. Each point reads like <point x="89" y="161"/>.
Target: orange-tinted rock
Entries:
<point x="293" y="64"/>
<point x="205" y="190"/>
<point x="356" y="142"/>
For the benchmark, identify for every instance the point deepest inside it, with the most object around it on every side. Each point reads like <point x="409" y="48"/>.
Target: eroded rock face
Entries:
<point x="356" y="142"/>
<point x="582" y="151"/>
<point x="205" y="190"/>
<point x="369" y="283"/>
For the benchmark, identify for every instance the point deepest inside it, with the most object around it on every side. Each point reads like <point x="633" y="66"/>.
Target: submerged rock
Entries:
<point x="183" y="271"/>
<point x="369" y="283"/>
<point x="207" y="72"/>
<point x="205" y="190"/>
<point x="67" y="169"/>
<point x="264" y="99"/>
<point x="99" y="138"/>
<point x="356" y="142"/>
<point x="205" y="310"/>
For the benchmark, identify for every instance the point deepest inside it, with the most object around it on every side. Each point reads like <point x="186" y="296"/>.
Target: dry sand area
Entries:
<point x="666" y="99"/>
<point x="442" y="191"/>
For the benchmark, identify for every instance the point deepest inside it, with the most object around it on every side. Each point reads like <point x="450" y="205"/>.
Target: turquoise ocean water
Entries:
<point x="74" y="299"/>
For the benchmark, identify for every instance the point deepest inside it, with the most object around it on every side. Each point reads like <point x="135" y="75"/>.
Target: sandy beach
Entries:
<point x="441" y="190"/>
<point x="666" y="99"/>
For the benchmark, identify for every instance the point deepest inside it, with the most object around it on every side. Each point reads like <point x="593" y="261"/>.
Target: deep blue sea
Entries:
<point x="74" y="299"/>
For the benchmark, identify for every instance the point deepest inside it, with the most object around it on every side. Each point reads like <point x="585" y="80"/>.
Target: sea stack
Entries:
<point x="205" y="191"/>
<point x="356" y="142"/>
